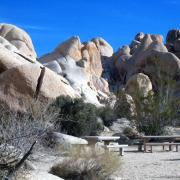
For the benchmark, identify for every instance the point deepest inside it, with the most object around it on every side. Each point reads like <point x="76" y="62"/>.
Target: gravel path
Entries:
<point x="158" y="165"/>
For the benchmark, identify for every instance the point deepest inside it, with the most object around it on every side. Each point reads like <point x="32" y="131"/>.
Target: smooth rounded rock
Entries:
<point x="19" y="38"/>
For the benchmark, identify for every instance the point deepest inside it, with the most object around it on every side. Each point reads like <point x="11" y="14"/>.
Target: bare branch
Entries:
<point x="20" y="163"/>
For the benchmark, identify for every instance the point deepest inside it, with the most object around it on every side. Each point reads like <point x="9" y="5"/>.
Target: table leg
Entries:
<point x="151" y="149"/>
<point x="170" y="146"/>
<point x="106" y="143"/>
<point x="121" y="151"/>
<point x="144" y="143"/>
<point x="140" y="147"/>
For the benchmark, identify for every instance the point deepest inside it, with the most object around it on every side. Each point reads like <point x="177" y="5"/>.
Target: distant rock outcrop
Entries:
<point x="149" y="56"/>
<point x="121" y="61"/>
<point x="173" y="42"/>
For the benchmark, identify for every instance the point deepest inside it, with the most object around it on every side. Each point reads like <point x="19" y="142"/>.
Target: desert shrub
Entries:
<point x="153" y="113"/>
<point x="124" y="106"/>
<point x="18" y="131"/>
<point x="157" y="109"/>
<point x="107" y="114"/>
<point x="76" y="117"/>
<point x="87" y="166"/>
<point x="21" y="129"/>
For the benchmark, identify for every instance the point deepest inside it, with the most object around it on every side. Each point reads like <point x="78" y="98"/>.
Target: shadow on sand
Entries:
<point x="167" y="177"/>
<point x="171" y="159"/>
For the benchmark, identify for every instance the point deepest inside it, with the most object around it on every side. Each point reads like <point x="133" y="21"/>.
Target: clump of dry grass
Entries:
<point x="90" y="165"/>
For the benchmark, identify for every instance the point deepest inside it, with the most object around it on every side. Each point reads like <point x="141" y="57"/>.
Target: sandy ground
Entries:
<point x="159" y="165"/>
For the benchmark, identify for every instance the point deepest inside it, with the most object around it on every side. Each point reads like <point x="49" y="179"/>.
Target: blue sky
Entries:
<point x="49" y="22"/>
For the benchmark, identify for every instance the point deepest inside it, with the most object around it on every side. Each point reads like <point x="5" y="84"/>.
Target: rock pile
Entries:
<point x="81" y="64"/>
<point x="89" y="70"/>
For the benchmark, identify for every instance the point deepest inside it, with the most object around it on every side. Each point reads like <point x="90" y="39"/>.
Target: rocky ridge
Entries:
<point x="90" y="69"/>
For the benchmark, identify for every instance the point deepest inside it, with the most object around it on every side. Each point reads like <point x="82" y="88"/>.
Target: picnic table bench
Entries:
<point x="120" y="146"/>
<point x="163" y="145"/>
<point x="92" y="140"/>
<point x="165" y="141"/>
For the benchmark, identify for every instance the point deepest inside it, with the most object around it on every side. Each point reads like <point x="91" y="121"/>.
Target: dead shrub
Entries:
<point x="18" y="131"/>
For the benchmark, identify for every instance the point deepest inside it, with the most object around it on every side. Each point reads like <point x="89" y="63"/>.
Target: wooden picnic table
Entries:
<point x="92" y="140"/>
<point x="168" y="138"/>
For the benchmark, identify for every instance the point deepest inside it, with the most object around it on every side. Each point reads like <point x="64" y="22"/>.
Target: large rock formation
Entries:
<point x="121" y="61"/>
<point x="136" y="42"/>
<point x="23" y="80"/>
<point x="150" y="57"/>
<point x="153" y="59"/>
<point x="70" y="47"/>
<point x="93" y="57"/>
<point x="90" y="52"/>
<point x="81" y="65"/>
<point x="19" y="38"/>
<point x="21" y="85"/>
<point x="77" y="69"/>
<point x="88" y="69"/>
<point x="173" y="41"/>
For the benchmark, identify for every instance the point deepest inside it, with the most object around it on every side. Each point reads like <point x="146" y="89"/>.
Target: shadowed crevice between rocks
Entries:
<point x="26" y="58"/>
<point x="39" y="82"/>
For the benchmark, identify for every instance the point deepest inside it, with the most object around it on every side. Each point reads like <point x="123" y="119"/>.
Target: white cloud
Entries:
<point x="32" y="27"/>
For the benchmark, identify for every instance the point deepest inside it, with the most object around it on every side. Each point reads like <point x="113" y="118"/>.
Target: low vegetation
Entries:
<point x="18" y="132"/>
<point x="91" y="165"/>
<point x="75" y="117"/>
<point x="153" y="114"/>
<point x="124" y="107"/>
<point x="107" y="114"/>
<point x="157" y="109"/>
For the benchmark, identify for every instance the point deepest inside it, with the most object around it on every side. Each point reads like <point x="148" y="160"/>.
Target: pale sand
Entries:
<point x="158" y="165"/>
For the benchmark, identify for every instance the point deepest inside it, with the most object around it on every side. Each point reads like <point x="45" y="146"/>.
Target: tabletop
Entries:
<point x="102" y="138"/>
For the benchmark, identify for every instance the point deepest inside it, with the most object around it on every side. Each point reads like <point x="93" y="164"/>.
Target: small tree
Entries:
<point x="152" y="114"/>
<point x="157" y="109"/>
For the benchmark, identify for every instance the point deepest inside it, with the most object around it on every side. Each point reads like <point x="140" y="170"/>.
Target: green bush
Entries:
<point x="154" y="113"/>
<point x="107" y="115"/>
<point x="124" y="107"/>
<point x="157" y="109"/>
<point x="76" y="117"/>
